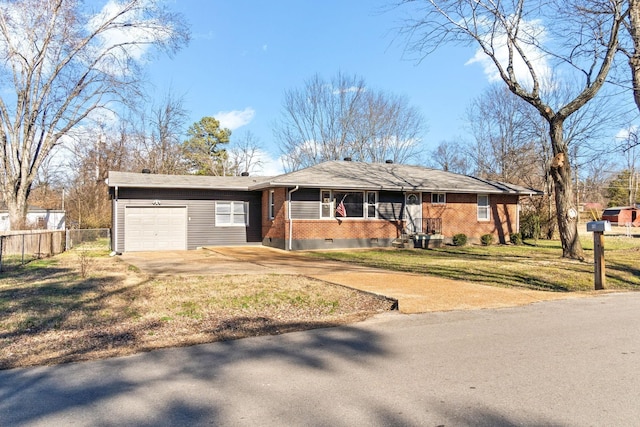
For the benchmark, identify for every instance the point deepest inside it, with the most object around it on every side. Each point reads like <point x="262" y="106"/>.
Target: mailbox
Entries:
<point x="599" y="226"/>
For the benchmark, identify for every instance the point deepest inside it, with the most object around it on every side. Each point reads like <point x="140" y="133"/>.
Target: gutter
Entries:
<point x="297" y="187"/>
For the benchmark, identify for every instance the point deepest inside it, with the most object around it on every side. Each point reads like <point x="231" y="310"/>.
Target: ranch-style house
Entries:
<point x="335" y="204"/>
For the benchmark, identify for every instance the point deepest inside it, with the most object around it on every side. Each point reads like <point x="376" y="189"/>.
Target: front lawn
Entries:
<point x="536" y="266"/>
<point x="84" y="305"/>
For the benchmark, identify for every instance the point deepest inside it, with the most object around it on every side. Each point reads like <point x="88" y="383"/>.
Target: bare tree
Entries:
<point x="632" y="51"/>
<point x="386" y="128"/>
<point x="330" y="120"/>
<point x="511" y="36"/>
<point x="597" y="176"/>
<point x="159" y="137"/>
<point x="631" y="155"/>
<point x="244" y="155"/>
<point x="451" y="156"/>
<point x="61" y="62"/>
<point x="97" y="150"/>
<point x="504" y="145"/>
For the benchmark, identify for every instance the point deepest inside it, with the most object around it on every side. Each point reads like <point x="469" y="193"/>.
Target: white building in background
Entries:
<point x="37" y="218"/>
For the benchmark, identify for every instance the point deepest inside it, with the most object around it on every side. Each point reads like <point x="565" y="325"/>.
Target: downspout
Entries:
<point x="115" y="222"/>
<point x="297" y="187"/>
<point x="518" y="210"/>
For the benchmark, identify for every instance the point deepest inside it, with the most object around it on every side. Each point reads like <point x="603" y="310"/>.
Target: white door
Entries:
<point x="155" y="228"/>
<point x="413" y="213"/>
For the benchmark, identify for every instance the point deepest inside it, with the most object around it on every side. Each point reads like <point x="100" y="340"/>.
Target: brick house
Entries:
<point x="335" y="204"/>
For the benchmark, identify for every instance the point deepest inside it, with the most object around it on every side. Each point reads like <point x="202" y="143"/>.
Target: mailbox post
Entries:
<point x="598" y="228"/>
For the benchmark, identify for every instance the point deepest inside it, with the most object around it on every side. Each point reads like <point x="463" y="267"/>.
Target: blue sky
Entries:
<point x="244" y="54"/>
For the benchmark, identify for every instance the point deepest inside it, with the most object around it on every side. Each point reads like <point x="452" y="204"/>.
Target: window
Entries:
<point x="353" y="203"/>
<point x="232" y="214"/>
<point x="372" y="200"/>
<point x="413" y="199"/>
<point x="272" y="205"/>
<point x="357" y="204"/>
<point x="483" y="207"/>
<point x="438" y="198"/>
<point x="326" y="205"/>
<point x="41" y="223"/>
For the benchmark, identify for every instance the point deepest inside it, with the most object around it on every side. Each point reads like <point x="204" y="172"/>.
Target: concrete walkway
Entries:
<point x="414" y="293"/>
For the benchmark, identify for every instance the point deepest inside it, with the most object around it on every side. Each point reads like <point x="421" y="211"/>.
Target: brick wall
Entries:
<point x="460" y="215"/>
<point x="277" y="227"/>
<point x="345" y="229"/>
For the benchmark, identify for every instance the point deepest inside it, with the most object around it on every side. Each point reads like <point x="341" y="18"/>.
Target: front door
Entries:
<point x="413" y="213"/>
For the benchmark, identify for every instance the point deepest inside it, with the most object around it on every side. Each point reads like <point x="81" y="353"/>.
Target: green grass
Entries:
<point x="539" y="266"/>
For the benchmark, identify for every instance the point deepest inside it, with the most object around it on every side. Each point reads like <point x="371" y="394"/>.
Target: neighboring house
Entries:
<point x="622" y="215"/>
<point x="37" y="218"/>
<point x="336" y="204"/>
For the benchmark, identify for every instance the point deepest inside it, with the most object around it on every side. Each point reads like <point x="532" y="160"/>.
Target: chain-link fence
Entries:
<point x="20" y="247"/>
<point x="90" y="239"/>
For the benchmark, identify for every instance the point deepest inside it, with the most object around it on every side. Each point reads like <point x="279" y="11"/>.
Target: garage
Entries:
<point x="157" y="228"/>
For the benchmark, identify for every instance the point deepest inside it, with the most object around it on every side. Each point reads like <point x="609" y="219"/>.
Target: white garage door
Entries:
<point x="155" y="228"/>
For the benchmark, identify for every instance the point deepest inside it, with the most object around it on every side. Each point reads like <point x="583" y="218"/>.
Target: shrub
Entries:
<point x="530" y="226"/>
<point x="460" y="239"/>
<point x="516" y="238"/>
<point x="486" y="239"/>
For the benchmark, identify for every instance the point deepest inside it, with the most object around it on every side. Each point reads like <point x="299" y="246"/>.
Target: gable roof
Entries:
<point x="344" y="175"/>
<point x="150" y="180"/>
<point x="349" y="175"/>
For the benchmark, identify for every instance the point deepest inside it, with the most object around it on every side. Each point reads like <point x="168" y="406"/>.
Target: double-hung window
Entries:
<point x="438" y="198"/>
<point x="483" y="207"/>
<point x="326" y="204"/>
<point x="372" y="202"/>
<point x="232" y="213"/>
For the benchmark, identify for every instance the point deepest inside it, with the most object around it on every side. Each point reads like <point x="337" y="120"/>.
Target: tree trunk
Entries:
<point x="566" y="211"/>
<point x="634" y="59"/>
<point x="17" y="206"/>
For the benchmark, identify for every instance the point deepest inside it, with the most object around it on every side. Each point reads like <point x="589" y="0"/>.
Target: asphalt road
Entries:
<point x="572" y="362"/>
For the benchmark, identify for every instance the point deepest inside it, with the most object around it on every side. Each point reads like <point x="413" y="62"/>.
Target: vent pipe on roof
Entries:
<point x="388" y="161"/>
<point x="146" y="170"/>
<point x="244" y="174"/>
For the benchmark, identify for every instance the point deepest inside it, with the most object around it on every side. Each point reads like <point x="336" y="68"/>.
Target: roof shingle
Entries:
<point x="345" y="175"/>
<point x="388" y="176"/>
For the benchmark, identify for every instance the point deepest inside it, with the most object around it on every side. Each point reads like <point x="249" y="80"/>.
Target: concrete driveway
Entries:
<point x="414" y="293"/>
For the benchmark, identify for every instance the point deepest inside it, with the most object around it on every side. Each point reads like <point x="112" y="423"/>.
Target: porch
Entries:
<point x="420" y="233"/>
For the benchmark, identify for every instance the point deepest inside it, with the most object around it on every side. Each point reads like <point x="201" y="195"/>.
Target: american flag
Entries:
<point x="341" y="209"/>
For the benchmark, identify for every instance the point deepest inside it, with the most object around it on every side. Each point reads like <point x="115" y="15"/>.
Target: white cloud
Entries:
<point x="624" y="134"/>
<point x="236" y="118"/>
<point x="350" y="89"/>
<point x="534" y="30"/>
<point x="269" y="166"/>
